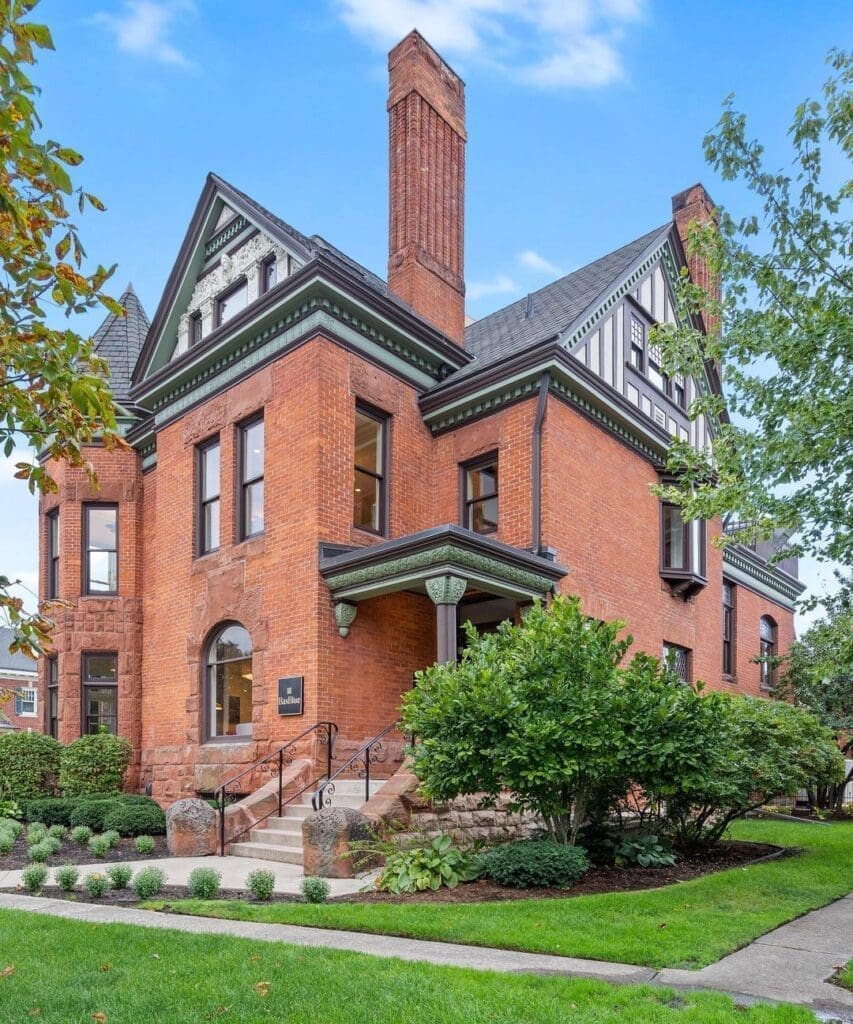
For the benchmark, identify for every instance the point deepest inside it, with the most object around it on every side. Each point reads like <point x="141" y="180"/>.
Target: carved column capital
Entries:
<point x="446" y="589"/>
<point x="345" y="613"/>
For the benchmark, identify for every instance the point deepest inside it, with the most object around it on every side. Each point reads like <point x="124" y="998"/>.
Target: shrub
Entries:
<point x="94" y="764"/>
<point x="96" y="885"/>
<point x="7" y="841"/>
<point x="81" y="834"/>
<point x="314" y="890"/>
<point x="137" y="819"/>
<point x="148" y="882"/>
<point x="204" y="883"/>
<point x="261" y="883"/>
<point x="144" y="844"/>
<point x="34" y="877"/>
<point x="645" y="850"/>
<point x="119" y="875"/>
<point x="41" y="852"/>
<point x="49" y="810"/>
<point x="99" y="846"/>
<point x="428" y="867"/>
<point x="535" y="863"/>
<point x="10" y="809"/>
<point x="10" y="825"/>
<point x="66" y="877"/>
<point x="112" y="837"/>
<point x="57" y="831"/>
<point x="36" y="833"/>
<point x="93" y="813"/>
<point x="52" y="843"/>
<point x="29" y="764"/>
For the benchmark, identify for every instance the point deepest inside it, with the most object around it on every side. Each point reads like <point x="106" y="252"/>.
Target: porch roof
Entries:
<point x="406" y="563"/>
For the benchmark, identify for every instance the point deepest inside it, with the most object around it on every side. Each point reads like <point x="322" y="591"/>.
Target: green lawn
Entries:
<point x="690" y="924"/>
<point x="67" y="972"/>
<point x="845" y="977"/>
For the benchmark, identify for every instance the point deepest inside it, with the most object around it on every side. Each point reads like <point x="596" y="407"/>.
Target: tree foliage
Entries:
<point x="53" y="394"/>
<point x="786" y="344"/>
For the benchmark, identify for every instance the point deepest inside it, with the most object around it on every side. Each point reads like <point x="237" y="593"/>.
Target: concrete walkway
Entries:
<point x="790" y="964"/>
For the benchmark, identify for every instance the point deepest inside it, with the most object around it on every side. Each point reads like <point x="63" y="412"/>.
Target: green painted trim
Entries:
<point x="485" y="401"/>
<point x="223" y="237"/>
<point x="763" y="578"/>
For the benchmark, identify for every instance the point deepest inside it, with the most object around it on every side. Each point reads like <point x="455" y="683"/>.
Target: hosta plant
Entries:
<point x="429" y="867"/>
<point x="645" y="850"/>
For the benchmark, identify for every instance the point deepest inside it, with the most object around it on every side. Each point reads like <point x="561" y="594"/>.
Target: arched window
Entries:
<point x="229" y="682"/>
<point x="767" y="651"/>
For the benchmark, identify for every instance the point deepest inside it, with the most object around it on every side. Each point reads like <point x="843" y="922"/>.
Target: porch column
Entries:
<point x="445" y="593"/>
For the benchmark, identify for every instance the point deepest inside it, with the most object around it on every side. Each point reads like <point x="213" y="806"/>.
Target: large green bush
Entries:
<point x="136" y="819"/>
<point x="534" y="863"/>
<point x="29" y="765"/>
<point x="93" y="813"/>
<point x="49" y="810"/>
<point x="94" y="764"/>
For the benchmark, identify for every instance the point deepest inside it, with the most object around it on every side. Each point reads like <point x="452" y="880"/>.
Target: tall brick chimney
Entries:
<point x="695" y="205"/>
<point x="426" y="112"/>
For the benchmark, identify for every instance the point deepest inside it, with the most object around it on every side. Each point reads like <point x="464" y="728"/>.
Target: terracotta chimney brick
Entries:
<point x="426" y="110"/>
<point x="695" y="205"/>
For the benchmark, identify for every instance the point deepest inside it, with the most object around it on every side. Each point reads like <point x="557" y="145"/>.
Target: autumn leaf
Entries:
<point x="7" y="971"/>
<point x="100" y="1018"/>
<point x="263" y="988"/>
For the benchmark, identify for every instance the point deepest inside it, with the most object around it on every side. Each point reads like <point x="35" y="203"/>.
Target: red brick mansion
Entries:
<point x="331" y="472"/>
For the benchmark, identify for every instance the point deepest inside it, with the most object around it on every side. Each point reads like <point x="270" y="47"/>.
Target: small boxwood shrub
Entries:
<point x="66" y="877"/>
<point x="34" y="877"/>
<point x="203" y="883"/>
<point x="144" y="844"/>
<point x="29" y="765"/>
<point x="96" y="884"/>
<point x="41" y="852"/>
<point x="81" y="834"/>
<point x="52" y="843"/>
<point x="314" y="890"/>
<point x="112" y="837"/>
<point x="535" y="863"/>
<point x="7" y="841"/>
<point x="261" y="883"/>
<point x="94" y="764"/>
<point x="57" y="832"/>
<point x="148" y="882"/>
<point x="36" y="833"/>
<point x="99" y="846"/>
<point x="120" y="875"/>
<point x="136" y="819"/>
<point x="10" y="825"/>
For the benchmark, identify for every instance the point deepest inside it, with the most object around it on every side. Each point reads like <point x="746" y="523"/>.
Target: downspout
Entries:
<point x="536" y="498"/>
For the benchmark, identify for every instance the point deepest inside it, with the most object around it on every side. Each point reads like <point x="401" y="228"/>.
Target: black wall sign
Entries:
<point x="290" y="695"/>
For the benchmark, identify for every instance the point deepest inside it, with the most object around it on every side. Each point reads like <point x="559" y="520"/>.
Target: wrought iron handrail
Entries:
<point x="326" y="732"/>
<point x="367" y="754"/>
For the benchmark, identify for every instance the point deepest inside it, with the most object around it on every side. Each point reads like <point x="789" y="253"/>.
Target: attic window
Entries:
<point x="269" y="273"/>
<point x="232" y="302"/>
<point x="195" y="329"/>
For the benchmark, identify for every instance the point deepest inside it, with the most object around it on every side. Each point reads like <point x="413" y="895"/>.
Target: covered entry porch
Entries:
<point x="466" y="576"/>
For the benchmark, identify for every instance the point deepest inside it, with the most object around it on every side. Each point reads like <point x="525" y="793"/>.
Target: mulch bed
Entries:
<point x="596" y="880"/>
<point x="74" y="853"/>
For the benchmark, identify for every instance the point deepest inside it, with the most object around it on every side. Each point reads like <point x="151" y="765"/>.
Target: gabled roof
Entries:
<point x="552" y="310"/>
<point x="13" y="662"/>
<point x="119" y="340"/>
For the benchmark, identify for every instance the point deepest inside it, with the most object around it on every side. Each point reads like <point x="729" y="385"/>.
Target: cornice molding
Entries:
<point x="742" y="565"/>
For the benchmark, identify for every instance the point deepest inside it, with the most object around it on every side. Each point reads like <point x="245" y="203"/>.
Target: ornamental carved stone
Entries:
<point x="446" y="589"/>
<point x="345" y="613"/>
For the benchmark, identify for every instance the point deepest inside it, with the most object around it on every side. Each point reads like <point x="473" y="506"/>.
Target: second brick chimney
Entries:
<point x="694" y="205"/>
<point x="426" y="110"/>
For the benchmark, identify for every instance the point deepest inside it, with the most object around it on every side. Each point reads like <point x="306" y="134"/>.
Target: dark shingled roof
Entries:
<point x="13" y="662"/>
<point x="119" y="340"/>
<point x="553" y="309"/>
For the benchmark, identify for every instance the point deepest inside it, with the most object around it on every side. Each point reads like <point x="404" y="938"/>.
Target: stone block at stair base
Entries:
<point x="326" y="839"/>
<point x="191" y="828"/>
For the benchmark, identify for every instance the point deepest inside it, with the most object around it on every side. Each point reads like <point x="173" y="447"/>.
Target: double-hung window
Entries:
<point x="682" y="550"/>
<point x="480" y="494"/>
<point x="52" y="524"/>
<point x="26" y="702"/>
<point x="100" y="693"/>
<point x="268" y="274"/>
<point x="638" y="343"/>
<point x="196" y="329"/>
<point x="52" y="703"/>
<point x="251" y="485"/>
<point x="230" y="303"/>
<point x="728" y="629"/>
<point x="208" y="496"/>
<point x="100" y="549"/>
<point x="767" y="653"/>
<point x="369" y="478"/>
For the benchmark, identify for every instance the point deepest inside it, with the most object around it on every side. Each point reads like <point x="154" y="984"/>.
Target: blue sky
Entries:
<point x="584" y="118"/>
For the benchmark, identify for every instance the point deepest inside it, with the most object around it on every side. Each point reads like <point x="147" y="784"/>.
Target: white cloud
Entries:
<point x="535" y="261"/>
<point x="544" y="43"/>
<point x="500" y="284"/>
<point x="144" y="28"/>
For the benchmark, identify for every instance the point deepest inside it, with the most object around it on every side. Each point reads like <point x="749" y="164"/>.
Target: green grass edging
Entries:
<point x="57" y="971"/>
<point x="689" y="924"/>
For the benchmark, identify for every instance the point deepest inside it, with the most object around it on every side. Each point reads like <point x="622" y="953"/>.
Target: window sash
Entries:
<point x="100" y="560"/>
<point x="269" y="274"/>
<point x="480" y="495"/>
<point x="209" y="474"/>
<point x="728" y="629"/>
<point x="679" y="659"/>
<point x="196" y="329"/>
<point x="26" y="702"/>
<point x="369" y="475"/>
<point x="53" y="553"/>
<point x="251" y="498"/>
<point x="100" y="707"/>
<point x="232" y="302"/>
<point x="676" y="539"/>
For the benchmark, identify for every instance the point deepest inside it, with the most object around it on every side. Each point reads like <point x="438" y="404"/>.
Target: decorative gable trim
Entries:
<point x="224" y="236"/>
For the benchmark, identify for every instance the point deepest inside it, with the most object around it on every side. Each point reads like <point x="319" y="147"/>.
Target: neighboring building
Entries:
<point x="19" y="678"/>
<point x="330" y="473"/>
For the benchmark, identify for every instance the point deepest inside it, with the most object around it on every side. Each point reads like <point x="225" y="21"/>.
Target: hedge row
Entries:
<point x="33" y="765"/>
<point x="128" y="814"/>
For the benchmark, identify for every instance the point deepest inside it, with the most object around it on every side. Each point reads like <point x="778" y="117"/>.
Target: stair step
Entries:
<point x="276" y="837"/>
<point x="291" y="825"/>
<point x="268" y="851"/>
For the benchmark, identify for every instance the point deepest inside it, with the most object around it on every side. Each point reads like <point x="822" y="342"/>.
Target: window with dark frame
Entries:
<point x="728" y="629"/>
<point x="208" y="456"/>
<point x="100" y="533"/>
<point x="228" y="691"/>
<point x="230" y="303"/>
<point x="195" y="329"/>
<point x="767" y="653"/>
<point x="269" y="273"/>
<point x="52" y="553"/>
<point x="678" y="391"/>
<point x="676" y="539"/>
<point x="480" y="494"/>
<point x="52" y="702"/>
<point x="677" y="659"/>
<point x="100" y="693"/>
<point x="655" y="373"/>
<point x="638" y="343"/>
<point x="369" y="493"/>
<point x="251" y="497"/>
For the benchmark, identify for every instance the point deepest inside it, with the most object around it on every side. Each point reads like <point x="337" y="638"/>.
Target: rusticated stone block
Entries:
<point x="326" y="839"/>
<point x="191" y="828"/>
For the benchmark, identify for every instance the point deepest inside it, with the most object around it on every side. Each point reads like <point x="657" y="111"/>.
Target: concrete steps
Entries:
<point x="280" y="839"/>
